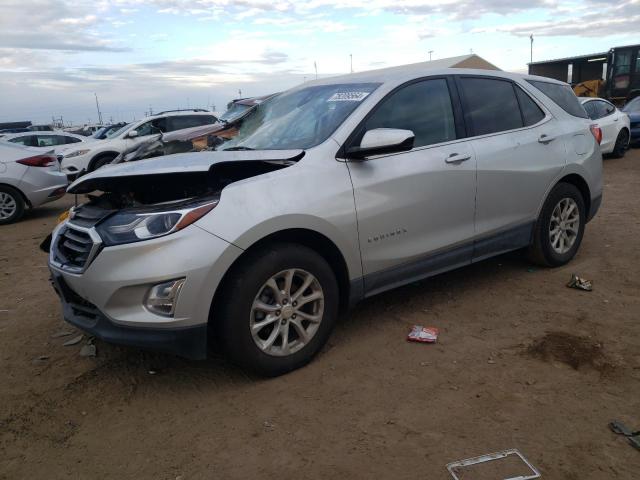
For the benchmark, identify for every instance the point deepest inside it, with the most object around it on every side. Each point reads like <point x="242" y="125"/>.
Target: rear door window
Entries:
<point x="423" y="107"/>
<point x="491" y="105"/>
<point x="189" y="121"/>
<point x="563" y="96"/>
<point x="531" y="112"/>
<point x="26" y="140"/>
<point x="48" y="140"/>
<point x="65" y="139"/>
<point x="605" y="108"/>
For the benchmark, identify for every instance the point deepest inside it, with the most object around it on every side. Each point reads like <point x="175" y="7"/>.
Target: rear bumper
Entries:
<point x="188" y="342"/>
<point x="42" y="185"/>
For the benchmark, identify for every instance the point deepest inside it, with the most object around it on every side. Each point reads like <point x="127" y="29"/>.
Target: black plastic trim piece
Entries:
<point x="469" y="252"/>
<point x="188" y="342"/>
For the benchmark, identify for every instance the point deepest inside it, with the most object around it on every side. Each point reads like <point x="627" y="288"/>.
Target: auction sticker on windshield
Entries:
<point x="348" y="97"/>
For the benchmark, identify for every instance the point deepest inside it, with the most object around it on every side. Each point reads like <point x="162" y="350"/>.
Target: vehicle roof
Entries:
<point x="405" y="73"/>
<point x="175" y="114"/>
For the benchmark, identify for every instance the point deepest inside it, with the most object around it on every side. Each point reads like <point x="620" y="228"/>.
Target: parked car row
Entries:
<point x="91" y="156"/>
<point x="325" y="194"/>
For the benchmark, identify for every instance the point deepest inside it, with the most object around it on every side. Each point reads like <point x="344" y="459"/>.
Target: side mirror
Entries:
<point x="132" y="134"/>
<point x="380" y="141"/>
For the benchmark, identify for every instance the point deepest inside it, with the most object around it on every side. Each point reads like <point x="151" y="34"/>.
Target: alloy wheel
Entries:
<point x="564" y="225"/>
<point x="8" y="206"/>
<point x="287" y="312"/>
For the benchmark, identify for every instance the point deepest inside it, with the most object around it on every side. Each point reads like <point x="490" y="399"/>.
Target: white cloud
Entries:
<point x="51" y="25"/>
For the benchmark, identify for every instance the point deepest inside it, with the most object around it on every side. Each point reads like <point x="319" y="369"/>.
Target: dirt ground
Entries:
<point x="522" y="362"/>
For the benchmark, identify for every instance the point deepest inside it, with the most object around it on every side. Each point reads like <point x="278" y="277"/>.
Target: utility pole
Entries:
<point x="315" y="66"/>
<point x="430" y="52"/>
<point x="351" y="60"/>
<point x="98" y="107"/>
<point x="531" y="38"/>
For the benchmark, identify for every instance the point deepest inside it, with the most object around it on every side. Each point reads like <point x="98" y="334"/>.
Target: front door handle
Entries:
<point x="457" y="158"/>
<point x="545" y="139"/>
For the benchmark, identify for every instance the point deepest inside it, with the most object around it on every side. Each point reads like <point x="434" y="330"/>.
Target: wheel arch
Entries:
<point x="312" y="239"/>
<point x="581" y="184"/>
<point x="20" y="192"/>
<point x="101" y="154"/>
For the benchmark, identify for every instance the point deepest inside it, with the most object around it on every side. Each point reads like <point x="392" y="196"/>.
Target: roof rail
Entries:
<point x="182" y="110"/>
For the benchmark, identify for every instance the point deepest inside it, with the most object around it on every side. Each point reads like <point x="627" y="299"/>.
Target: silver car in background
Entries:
<point x="331" y="192"/>
<point x="28" y="179"/>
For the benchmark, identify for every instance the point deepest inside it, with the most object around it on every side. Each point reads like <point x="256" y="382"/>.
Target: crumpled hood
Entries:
<point x="180" y="163"/>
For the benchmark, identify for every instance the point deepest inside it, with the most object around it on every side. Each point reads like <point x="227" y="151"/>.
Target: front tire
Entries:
<point x="277" y="309"/>
<point x="558" y="232"/>
<point x="101" y="161"/>
<point x="622" y="143"/>
<point x="11" y="205"/>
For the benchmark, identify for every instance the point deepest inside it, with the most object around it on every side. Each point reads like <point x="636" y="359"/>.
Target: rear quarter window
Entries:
<point x="563" y="96"/>
<point x="531" y="112"/>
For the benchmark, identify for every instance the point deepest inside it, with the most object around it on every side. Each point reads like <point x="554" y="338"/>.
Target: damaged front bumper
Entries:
<point x="109" y="298"/>
<point x="188" y="342"/>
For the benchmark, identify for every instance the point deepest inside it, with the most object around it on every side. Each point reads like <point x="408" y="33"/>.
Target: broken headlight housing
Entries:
<point x="135" y="225"/>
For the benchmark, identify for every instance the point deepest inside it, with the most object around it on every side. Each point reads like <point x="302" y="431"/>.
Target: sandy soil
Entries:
<point x="371" y="405"/>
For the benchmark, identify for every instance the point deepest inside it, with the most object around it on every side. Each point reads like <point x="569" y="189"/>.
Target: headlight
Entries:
<point x="129" y="226"/>
<point x="77" y="153"/>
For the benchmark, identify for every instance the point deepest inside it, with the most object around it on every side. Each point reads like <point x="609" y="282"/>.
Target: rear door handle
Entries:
<point x="457" y="158"/>
<point x="544" y="139"/>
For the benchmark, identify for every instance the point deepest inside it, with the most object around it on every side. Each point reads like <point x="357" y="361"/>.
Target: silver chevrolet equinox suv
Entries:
<point x="331" y="192"/>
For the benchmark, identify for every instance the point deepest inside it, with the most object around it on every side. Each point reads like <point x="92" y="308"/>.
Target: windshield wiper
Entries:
<point x="231" y="149"/>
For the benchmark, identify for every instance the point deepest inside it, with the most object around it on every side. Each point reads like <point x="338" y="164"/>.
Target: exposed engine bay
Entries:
<point x="145" y="190"/>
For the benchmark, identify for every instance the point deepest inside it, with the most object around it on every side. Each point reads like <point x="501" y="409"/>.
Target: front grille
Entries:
<point x="74" y="248"/>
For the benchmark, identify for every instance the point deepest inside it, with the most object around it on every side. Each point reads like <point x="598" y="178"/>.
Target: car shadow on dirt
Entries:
<point x="438" y="291"/>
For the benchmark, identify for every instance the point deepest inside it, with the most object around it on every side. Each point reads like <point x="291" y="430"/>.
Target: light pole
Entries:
<point x="430" y="52"/>
<point x="351" y="61"/>
<point x="531" y="38"/>
<point x="98" y="107"/>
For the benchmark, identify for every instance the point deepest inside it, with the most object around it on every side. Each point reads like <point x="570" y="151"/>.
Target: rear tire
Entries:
<point x="270" y="331"/>
<point x="11" y="205"/>
<point x="558" y="232"/>
<point x="622" y="143"/>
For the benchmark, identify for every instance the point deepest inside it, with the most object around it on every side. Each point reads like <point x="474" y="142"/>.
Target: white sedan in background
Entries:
<point x="45" y="141"/>
<point x="27" y="179"/>
<point x="615" y="125"/>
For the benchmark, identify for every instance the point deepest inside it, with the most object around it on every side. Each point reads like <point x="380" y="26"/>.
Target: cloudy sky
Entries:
<point x="162" y="54"/>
